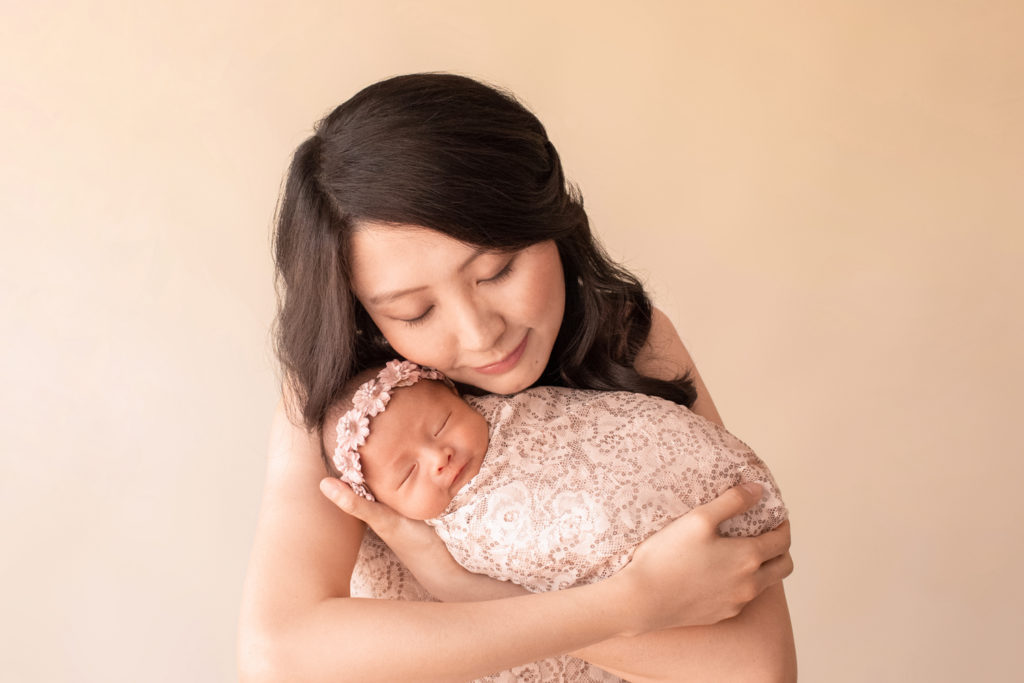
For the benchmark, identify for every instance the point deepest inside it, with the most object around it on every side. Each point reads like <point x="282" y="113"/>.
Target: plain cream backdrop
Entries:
<point x="826" y="197"/>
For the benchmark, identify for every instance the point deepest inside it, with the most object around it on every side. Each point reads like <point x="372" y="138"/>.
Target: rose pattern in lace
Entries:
<point x="573" y="480"/>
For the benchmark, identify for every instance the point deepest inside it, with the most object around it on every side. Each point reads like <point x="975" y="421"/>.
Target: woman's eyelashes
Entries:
<point x="504" y="272"/>
<point x="418" y="320"/>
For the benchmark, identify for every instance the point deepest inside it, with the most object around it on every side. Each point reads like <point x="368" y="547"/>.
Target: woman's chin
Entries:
<point x="522" y="377"/>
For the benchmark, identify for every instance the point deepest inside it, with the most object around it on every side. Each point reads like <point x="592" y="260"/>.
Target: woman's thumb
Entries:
<point x="378" y="516"/>
<point x="341" y="495"/>
<point x="735" y="501"/>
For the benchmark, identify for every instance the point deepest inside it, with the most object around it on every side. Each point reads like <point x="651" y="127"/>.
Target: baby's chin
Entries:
<point x="419" y="513"/>
<point x="433" y="514"/>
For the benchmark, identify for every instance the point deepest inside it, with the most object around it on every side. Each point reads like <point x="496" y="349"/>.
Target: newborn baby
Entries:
<point x="548" y="488"/>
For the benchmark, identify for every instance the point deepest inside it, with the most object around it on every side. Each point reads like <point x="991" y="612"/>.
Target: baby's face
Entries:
<point x="422" y="449"/>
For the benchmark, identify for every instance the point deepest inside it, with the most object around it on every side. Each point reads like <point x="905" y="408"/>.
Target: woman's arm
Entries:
<point x="298" y="623"/>
<point x="710" y="561"/>
<point x="755" y="646"/>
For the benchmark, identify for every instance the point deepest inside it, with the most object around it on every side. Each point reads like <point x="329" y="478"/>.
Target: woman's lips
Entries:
<point x="506" y="363"/>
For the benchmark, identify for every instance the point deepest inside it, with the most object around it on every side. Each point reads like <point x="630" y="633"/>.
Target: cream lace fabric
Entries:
<point x="574" y="480"/>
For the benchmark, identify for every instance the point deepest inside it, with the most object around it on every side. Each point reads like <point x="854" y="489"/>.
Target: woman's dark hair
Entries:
<point x="451" y="154"/>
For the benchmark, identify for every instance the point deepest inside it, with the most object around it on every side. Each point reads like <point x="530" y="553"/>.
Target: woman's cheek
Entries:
<point x="421" y="346"/>
<point x="396" y="334"/>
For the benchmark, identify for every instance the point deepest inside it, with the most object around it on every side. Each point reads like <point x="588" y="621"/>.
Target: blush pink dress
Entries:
<point x="572" y="481"/>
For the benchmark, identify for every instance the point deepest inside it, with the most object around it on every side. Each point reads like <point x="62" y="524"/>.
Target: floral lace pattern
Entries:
<point x="574" y="480"/>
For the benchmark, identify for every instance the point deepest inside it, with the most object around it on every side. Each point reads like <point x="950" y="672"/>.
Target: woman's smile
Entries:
<point x="506" y="363"/>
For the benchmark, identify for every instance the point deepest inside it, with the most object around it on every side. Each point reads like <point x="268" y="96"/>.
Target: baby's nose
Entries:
<point x="442" y="457"/>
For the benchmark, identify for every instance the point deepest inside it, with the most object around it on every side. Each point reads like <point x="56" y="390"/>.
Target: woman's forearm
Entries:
<point x="297" y="625"/>
<point x="381" y="640"/>
<point x="755" y="646"/>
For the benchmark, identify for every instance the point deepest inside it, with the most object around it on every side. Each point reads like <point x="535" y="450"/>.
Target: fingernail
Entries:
<point x="752" y="487"/>
<point x="330" y="487"/>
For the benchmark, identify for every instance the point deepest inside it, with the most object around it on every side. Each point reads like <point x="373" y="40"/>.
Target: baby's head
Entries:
<point x="405" y="438"/>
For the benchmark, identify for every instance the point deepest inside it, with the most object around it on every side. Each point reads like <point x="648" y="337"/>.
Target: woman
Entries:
<point x="428" y="217"/>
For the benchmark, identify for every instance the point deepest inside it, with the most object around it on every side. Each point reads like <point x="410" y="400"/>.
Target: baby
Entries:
<point x="548" y="488"/>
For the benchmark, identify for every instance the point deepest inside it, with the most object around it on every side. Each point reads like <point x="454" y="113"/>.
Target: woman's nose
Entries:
<point x="477" y="326"/>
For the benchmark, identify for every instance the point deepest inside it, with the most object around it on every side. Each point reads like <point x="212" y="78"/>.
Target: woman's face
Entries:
<point x="483" y="318"/>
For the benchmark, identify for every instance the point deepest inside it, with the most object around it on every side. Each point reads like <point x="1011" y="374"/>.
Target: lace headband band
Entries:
<point x="370" y="400"/>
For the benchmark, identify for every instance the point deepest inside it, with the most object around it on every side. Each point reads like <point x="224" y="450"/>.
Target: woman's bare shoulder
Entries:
<point x="665" y="356"/>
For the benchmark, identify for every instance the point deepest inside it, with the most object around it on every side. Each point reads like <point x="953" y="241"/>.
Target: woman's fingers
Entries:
<point x="774" y="543"/>
<point x="775" y="570"/>
<point x="735" y="501"/>
<point x="377" y="516"/>
<point x="688" y="574"/>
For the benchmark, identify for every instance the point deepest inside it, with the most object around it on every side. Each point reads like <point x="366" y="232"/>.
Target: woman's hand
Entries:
<point x="688" y="575"/>
<point x="419" y="549"/>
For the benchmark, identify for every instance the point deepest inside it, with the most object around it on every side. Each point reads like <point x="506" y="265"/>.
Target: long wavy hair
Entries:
<point x="451" y="154"/>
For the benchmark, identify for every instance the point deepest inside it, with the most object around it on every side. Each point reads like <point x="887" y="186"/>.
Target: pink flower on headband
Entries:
<point x="395" y="372"/>
<point x="353" y="428"/>
<point x="370" y="400"/>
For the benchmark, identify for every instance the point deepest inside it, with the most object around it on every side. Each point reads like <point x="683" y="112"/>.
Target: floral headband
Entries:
<point x="370" y="400"/>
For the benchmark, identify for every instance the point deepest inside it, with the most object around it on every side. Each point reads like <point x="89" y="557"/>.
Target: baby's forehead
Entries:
<point x="409" y="409"/>
<point x="430" y="387"/>
<point x="419" y="398"/>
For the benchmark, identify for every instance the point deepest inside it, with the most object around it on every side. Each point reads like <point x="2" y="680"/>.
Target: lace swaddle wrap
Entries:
<point x="573" y="480"/>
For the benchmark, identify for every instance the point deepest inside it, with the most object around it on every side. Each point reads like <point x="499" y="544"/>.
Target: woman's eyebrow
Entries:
<point x="386" y="297"/>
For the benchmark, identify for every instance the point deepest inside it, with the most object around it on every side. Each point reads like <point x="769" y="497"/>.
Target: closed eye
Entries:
<point x="408" y="476"/>
<point x="503" y="273"/>
<point x="418" y="319"/>
<point x="441" y="428"/>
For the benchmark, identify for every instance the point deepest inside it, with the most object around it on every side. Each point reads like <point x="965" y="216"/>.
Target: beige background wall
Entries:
<point x="825" y="196"/>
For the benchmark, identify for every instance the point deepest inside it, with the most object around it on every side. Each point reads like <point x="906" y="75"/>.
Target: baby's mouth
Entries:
<point x="458" y="475"/>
